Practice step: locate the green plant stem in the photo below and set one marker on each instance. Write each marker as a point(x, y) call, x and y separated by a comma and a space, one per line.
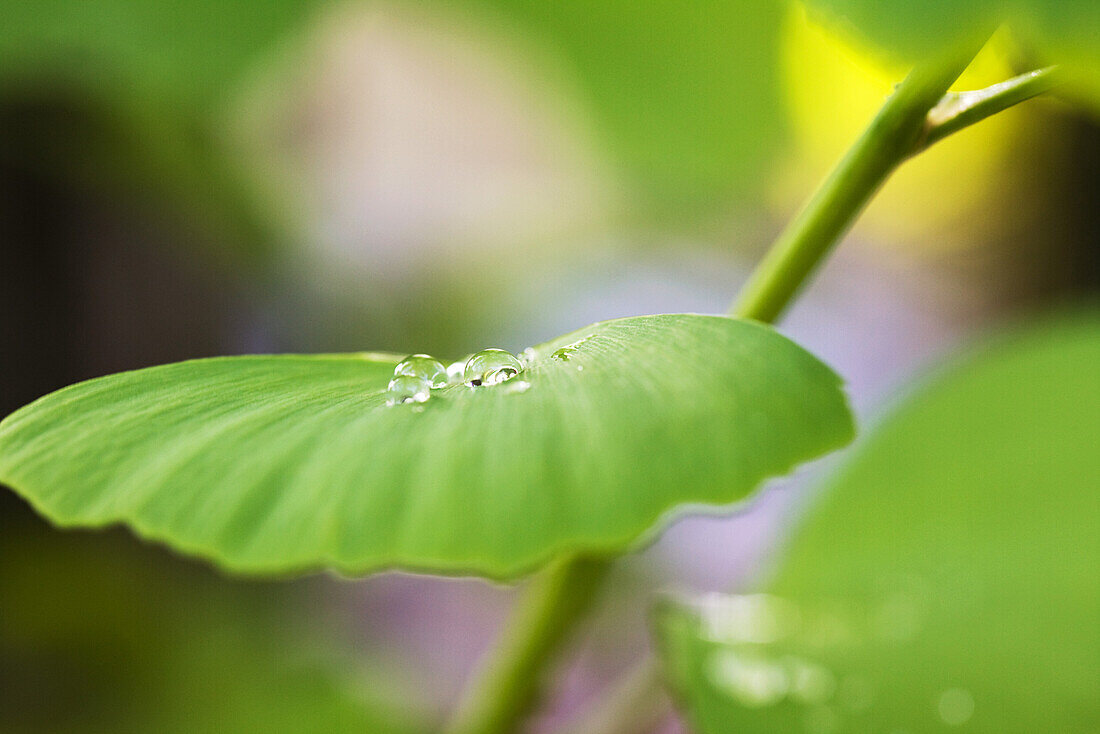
point(958, 110)
point(635, 704)
point(510, 683)
point(890, 139)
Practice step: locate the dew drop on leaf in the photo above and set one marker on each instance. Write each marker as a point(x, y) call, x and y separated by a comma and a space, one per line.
point(456, 372)
point(566, 352)
point(491, 367)
point(424, 366)
point(408, 389)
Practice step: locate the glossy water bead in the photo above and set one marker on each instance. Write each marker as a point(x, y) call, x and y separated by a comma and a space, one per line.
point(408, 389)
point(424, 366)
point(456, 372)
point(491, 367)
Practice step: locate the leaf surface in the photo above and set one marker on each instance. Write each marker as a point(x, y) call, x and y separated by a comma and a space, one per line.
point(285, 463)
point(948, 577)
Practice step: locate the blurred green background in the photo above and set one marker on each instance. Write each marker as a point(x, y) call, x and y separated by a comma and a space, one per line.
point(183, 179)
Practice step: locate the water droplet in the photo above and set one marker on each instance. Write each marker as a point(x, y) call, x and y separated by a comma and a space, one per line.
point(755, 618)
point(408, 389)
point(456, 372)
point(424, 366)
point(527, 356)
point(566, 353)
point(810, 683)
point(753, 681)
point(955, 706)
point(491, 367)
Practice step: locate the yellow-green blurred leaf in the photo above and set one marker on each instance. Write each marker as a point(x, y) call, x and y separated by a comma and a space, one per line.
point(948, 577)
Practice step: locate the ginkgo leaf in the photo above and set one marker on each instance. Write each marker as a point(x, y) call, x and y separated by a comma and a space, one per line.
point(275, 464)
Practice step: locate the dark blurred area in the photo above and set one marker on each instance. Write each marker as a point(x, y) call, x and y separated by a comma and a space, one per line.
point(445, 198)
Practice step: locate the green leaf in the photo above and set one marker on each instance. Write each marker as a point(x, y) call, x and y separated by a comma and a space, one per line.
point(277, 464)
point(948, 577)
point(1059, 31)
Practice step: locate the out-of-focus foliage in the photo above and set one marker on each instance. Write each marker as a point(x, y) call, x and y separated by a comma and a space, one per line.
point(177, 51)
point(276, 464)
point(948, 576)
point(686, 98)
point(126, 95)
point(685, 93)
point(100, 636)
point(1057, 31)
point(834, 85)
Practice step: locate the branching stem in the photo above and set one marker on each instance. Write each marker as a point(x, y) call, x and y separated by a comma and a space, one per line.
point(891, 138)
point(958, 110)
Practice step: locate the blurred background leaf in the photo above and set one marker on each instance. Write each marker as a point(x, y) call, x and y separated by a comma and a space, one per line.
point(192, 52)
point(947, 576)
point(1053, 31)
point(683, 93)
point(395, 167)
point(834, 84)
point(683, 148)
point(125, 95)
point(100, 634)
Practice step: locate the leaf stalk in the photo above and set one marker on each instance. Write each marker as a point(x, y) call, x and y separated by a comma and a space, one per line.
point(958, 110)
point(511, 680)
point(892, 136)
